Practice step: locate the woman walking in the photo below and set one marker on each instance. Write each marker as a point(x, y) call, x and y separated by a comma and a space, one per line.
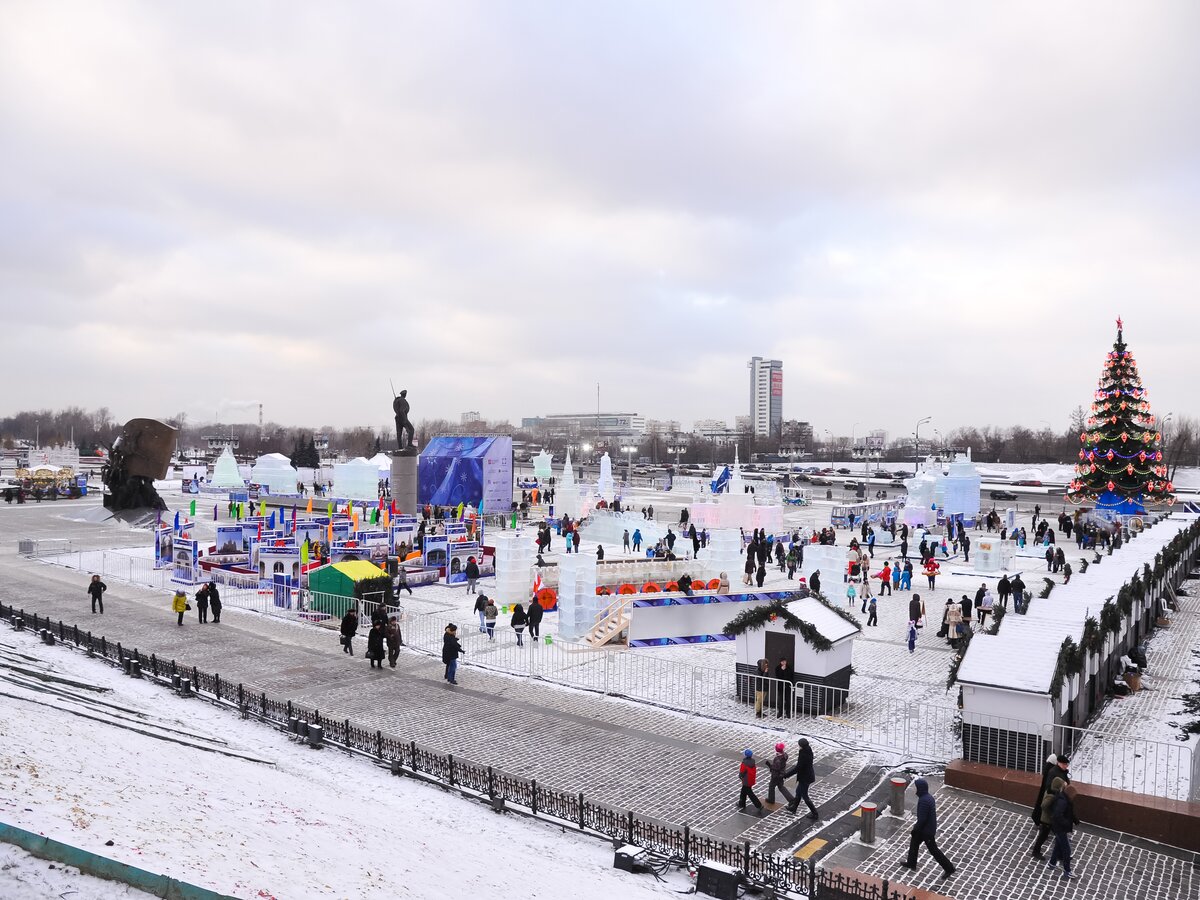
point(375, 641)
point(349, 630)
point(518, 621)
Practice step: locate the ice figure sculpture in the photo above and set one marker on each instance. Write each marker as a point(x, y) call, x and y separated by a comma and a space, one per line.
point(604, 487)
point(274, 472)
point(918, 507)
point(566, 495)
point(514, 566)
point(356, 480)
point(961, 491)
point(541, 466)
point(225, 472)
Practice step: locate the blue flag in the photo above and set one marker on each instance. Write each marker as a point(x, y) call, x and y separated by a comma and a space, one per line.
point(176, 527)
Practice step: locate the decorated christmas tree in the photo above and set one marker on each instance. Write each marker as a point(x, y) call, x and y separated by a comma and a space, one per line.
point(1121, 469)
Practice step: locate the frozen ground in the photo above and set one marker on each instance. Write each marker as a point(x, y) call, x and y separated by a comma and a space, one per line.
point(188, 790)
point(25, 877)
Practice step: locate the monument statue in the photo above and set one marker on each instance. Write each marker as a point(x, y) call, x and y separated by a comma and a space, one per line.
point(140, 454)
point(400, 407)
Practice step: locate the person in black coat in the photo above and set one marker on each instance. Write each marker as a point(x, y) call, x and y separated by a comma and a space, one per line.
point(805, 776)
point(96, 589)
point(518, 622)
point(472, 572)
point(925, 830)
point(451, 651)
point(349, 630)
point(534, 615)
point(202, 604)
point(814, 582)
point(214, 602)
point(1062, 823)
point(481, 603)
point(375, 642)
point(785, 677)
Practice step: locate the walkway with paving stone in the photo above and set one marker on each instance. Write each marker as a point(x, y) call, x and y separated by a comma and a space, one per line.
point(665, 765)
point(989, 840)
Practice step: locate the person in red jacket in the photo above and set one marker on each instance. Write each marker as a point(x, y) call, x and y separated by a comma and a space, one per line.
point(931, 570)
point(885, 579)
point(748, 774)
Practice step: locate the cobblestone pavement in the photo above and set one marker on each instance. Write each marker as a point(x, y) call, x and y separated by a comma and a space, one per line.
point(988, 841)
point(666, 765)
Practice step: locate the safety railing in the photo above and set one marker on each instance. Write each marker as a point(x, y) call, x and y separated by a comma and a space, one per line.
point(568, 809)
point(1138, 765)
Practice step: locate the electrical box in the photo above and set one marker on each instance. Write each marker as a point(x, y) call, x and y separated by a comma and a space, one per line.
point(630, 858)
point(716, 880)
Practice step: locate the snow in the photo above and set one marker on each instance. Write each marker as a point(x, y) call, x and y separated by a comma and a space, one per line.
point(25, 877)
point(202, 796)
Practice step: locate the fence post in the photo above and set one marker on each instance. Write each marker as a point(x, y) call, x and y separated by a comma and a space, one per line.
point(533, 795)
point(491, 785)
point(746, 857)
point(174, 668)
point(687, 844)
point(289, 705)
point(412, 751)
point(379, 744)
point(195, 676)
point(812, 879)
point(346, 734)
point(241, 694)
point(76, 635)
point(451, 760)
point(581, 818)
point(264, 704)
point(217, 685)
point(629, 826)
point(62, 634)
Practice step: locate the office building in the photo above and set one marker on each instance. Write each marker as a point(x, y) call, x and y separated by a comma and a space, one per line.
point(766, 396)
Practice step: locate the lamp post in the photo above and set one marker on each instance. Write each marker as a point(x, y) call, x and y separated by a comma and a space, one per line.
point(853, 444)
point(917, 442)
point(628, 451)
point(829, 444)
point(676, 451)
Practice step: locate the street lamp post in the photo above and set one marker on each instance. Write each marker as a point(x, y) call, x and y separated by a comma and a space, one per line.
point(917, 443)
point(829, 444)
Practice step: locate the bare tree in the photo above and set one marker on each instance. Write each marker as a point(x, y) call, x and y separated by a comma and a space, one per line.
point(1180, 442)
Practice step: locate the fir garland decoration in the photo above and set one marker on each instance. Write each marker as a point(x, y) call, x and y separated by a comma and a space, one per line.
point(1110, 617)
point(1093, 637)
point(751, 619)
point(1070, 662)
point(1083, 565)
point(998, 613)
point(956, 661)
point(1048, 588)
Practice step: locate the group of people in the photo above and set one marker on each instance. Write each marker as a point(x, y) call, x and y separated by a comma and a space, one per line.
point(779, 772)
point(208, 598)
point(384, 640)
point(488, 612)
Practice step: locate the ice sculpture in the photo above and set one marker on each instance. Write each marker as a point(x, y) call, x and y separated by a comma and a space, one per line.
point(225, 472)
point(356, 480)
point(566, 495)
point(541, 466)
point(274, 472)
point(918, 507)
point(961, 491)
point(604, 487)
point(514, 567)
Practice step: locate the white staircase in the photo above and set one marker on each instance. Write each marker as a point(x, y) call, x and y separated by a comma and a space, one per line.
point(612, 621)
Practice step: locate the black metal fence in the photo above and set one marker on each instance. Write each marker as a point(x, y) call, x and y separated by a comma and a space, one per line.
point(566, 808)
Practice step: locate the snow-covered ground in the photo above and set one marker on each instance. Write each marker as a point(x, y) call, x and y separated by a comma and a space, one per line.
point(186, 789)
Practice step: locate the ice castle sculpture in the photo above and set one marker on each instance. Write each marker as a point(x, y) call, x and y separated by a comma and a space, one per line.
point(225, 472)
point(356, 480)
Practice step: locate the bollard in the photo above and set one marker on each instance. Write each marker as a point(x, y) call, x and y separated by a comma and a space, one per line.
point(293, 725)
point(175, 679)
point(18, 624)
point(869, 811)
point(185, 687)
point(302, 729)
point(127, 664)
point(896, 805)
point(316, 734)
point(135, 669)
point(244, 709)
point(48, 636)
point(396, 767)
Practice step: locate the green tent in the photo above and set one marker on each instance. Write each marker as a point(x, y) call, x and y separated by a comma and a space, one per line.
point(334, 587)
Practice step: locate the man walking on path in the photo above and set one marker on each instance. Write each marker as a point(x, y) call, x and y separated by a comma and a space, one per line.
point(748, 774)
point(805, 776)
point(535, 619)
point(472, 574)
point(96, 590)
point(1062, 823)
point(1056, 767)
point(394, 640)
point(451, 650)
point(481, 603)
point(778, 767)
point(925, 831)
point(349, 629)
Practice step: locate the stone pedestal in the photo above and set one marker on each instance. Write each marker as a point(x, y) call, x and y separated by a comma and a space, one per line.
point(404, 481)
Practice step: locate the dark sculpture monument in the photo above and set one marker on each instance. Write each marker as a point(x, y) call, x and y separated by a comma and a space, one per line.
point(403, 426)
point(140, 454)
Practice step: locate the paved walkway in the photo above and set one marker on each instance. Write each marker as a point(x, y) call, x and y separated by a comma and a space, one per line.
point(988, 841)
point(666, 765)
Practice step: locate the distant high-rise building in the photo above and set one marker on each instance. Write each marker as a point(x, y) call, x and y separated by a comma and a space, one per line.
point(766, 396)
point(469, 417)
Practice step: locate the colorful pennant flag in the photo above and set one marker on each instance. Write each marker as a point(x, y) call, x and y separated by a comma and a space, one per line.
point(193, 509)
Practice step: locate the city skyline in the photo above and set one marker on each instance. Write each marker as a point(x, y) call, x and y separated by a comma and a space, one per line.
point(919, 214)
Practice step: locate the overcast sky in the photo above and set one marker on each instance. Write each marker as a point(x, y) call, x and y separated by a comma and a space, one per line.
point(921, 208)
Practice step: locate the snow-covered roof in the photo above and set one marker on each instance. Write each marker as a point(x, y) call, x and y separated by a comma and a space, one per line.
point(1023, 655)
point(825, 620)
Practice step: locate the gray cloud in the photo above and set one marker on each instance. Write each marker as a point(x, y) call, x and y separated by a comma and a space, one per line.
point(921, 209)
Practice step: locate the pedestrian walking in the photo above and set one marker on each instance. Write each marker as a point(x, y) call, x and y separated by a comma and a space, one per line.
point(451, 651)
point(778, 769)
point(885, 578)
point(481, 603)
point(214, 602)
point(985, 608)
point(96, 589)
point(931, 571)
point(375, 643)
point(762, 685)
point(625, 541)
point(637, 540)
point(534, 615)
point(925, 831)
point(748, 774)
point(202, 604)
point(472, 571)
point(402, 581)
point(1055, 767)
point(180, 605)
point(872, 612)
point(912, 636)
point(761, 574)
point(395, 640)
point(1062, 823)
point(805, 776)
point(349, 630)
point(489, 617)
point(851, 595)
point(814, 582)
point(518, 622)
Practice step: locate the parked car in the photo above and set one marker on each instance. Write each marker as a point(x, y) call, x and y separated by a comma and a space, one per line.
point(896, 483)
point(850, 485)
point(843, 471)
point(1003, 495)
point(818, 481)
point(1027, 483)
point(899, 474)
